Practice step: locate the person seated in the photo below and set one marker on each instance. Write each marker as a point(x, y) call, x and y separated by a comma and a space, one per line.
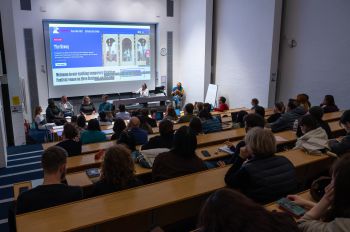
point(177, 93)
point(199, 106)
point(229, 210)
point(74, 120)
point(118, 127)
point(222, 105)
point(165, 139)
point(70, 141)
point(259, 110)
point(258, 172)
point(39, 120)
point(54, 114)
point(196, 125)
point(105, 106)
point(332, 212)
point(181, 159)
point(209, 123)
point(303, 101)
point(133, 135)
point(255, 103)
point(52, 192)
point(143, 91)
point(81, 123)
point(66, 107)
point(278, 110)
point(317, 113)
point(122, 113)
point(144, 125)
point(342, 147)
point(87, 107)
point(238, 122)
point(117, 172)
point(93, 133)
point(329, 105)
point(170, 113)
point(104, 121)
point(313, 136)
point(286, 121)
point(152, 122)
point(188, 113)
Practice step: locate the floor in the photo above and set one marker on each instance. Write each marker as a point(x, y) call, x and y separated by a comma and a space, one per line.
point(23, 165)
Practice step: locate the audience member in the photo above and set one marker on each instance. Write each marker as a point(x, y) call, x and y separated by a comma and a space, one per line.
point(105, 106)
point(238, 122)
point(122, 113)
point(104, 121)
point(66, 107)
point(144, 124)
point(196, 125)
point(93, 133)
point(343, 146)
point(329, 105)
point(222, 105)
point(152, 122)
point(70, 141)
point(260, 110)
point(255, 103)
point(303, 100)
point(87, 107)
point(181, 160)
point(54, 114)
point(165, 139)
point(81, 123)
point(227, 210)
point(133, 135)
point(188, 113)
point(52, 192)
point(118, 127)
point(278, 110)
point(199, 106)
point(170, 113)
point(209, 123)
point(117, 173)
point(258, 172)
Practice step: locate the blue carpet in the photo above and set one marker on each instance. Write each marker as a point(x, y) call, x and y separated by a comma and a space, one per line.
point(28, 158)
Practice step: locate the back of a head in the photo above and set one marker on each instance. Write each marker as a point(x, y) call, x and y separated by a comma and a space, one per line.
point(189, 108)
point(260, 110)
point(255, 101)
point(200, 106)
point(196, 125)
point(94, 125)
point(205, 114)
point(280, 106)
point(223, 99)
point(171, 111)
point(207, 106)
point(292, 104)
point(228, 210)
point(102, 116)
point(317, 112)
point(303, 99)
point(254, 120)
point(53, 158)
point(134, 122)
point(81, 121)
point(145, 112)
point(345, 118)
point(119, 125)
point(74, 119)
point(240, 117)
point(329, 100)
point(51, 102)
point(118, 166)
point(70, 131)
point(185, 142)
point(261, 142)
point(121, 108)
point(166, 127)
point(309, 122)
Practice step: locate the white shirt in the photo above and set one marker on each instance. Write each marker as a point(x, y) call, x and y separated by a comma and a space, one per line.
point(143, 93)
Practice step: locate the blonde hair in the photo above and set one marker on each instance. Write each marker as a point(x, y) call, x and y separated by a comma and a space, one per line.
point(261, 141)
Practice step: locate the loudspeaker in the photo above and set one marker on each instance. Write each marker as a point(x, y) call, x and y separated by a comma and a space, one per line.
point(170, 8)
point(26, 4)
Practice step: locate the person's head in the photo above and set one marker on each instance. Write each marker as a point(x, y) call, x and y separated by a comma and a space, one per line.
point(345, 120)
point(253, 120)
point(145, 112)
point(260, 142)
point(119, 125)
point(292, 104)
point(104, 98)
point(103, 116)
point(307, 123)
point(229, 210)
point(166, 128)
point(205, 114)
point(240, 118)
point(121, 108)
point(51, 103)
point(53, 161)
point(199, 106)
point(81, 121)
point(222, 100)
point(134, 122)
point(93, 125)
point(260, 110)
point(329, 100)
point(118, 166)
point(135, 113)
point(69, 131)
point(64, 99)
point(303, 100)
point(86, 100)
point(74, 119)
point(185, 142)
point(144, 86)
point(170, 111)
point(189, 108)
point(37, 110)
point(317, 112)
point(179, 85)
point(255, 102)
point(196, 125)
point(279, 107)
point(207, 106)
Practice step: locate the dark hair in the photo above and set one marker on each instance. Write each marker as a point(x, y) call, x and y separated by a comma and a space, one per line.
point(292, 104)
point(118, 166)
point(200, 106)
point(121, 108)
point(135, 113)
point(240, 118)
point(227, 210)
point(207, 106)
point(329, 100)
point(189, 108)
point(185, 142)
point(345, 117)
point(166, 127)
point(254, 120)
point(119, 126)
point(53, 158)
point(145, 112)
point(309, 122)
point(93, 125)
point(196, 125)
point(222, 99)
point(74, 119)
point(205, 114)
point(316, 112)
point(171, 112)
point(144, 85)
point(303, 99)
point(255, 101)
point(81, 121)
point(37, 109)
point(70, 131)
point(280, 106)
point(103, 116)
point(51, 102)
point(260, 110)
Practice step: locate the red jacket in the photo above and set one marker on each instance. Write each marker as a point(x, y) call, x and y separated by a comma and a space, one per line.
point(222, 107)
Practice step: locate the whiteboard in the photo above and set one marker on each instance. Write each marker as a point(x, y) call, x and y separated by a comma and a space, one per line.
point(211, 94)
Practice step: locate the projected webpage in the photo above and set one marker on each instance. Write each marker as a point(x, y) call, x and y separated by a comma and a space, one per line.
point(88, 54)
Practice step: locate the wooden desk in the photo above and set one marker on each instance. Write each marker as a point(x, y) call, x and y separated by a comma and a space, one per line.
point(328, 117)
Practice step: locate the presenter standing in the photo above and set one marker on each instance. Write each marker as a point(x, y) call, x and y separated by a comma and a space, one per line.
point(143, 91)
point(177, 93)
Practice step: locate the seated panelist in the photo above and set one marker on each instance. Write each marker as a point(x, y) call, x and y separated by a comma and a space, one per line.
point(177, 94)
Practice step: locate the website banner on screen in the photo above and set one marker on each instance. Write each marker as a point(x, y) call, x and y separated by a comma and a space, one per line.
point(97, 53)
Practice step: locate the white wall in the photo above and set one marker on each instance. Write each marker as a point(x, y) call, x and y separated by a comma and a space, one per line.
point(319, 65)
point(244, 53)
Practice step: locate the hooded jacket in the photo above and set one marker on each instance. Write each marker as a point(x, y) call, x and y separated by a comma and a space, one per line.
point(286, 121)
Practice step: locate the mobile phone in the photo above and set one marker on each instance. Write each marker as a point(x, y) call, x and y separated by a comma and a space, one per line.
point(23, 189)
point(205, 153)
point(93, 172)
point(291, 207)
